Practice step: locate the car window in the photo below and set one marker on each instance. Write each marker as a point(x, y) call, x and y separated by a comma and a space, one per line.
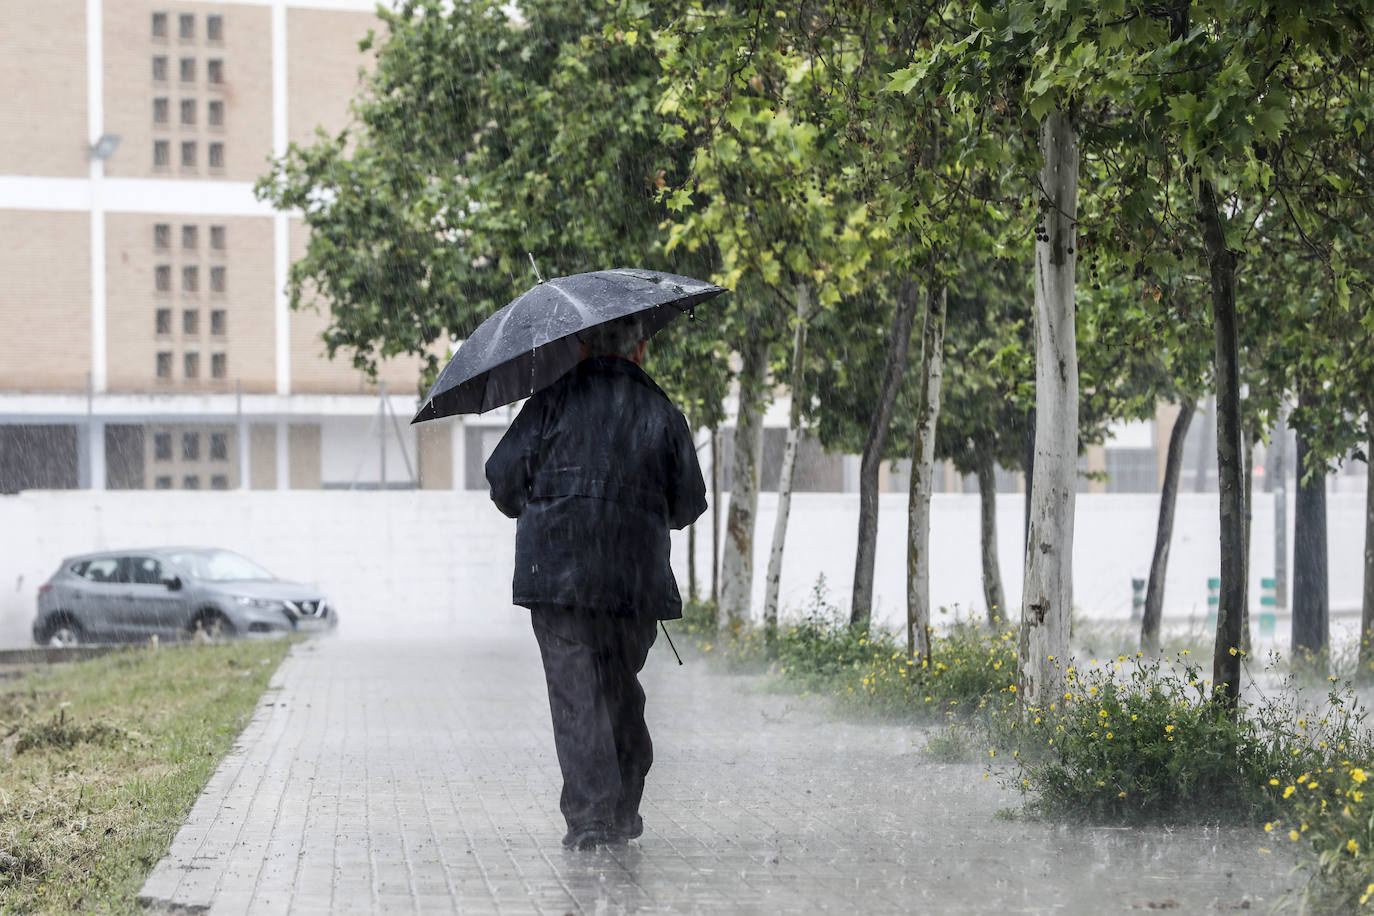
point(105, 569)
point(144, 571)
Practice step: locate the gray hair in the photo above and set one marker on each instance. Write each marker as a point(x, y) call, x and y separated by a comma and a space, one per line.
point(620, 337)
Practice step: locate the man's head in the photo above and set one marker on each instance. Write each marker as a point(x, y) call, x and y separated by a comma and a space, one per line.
point(623, 337)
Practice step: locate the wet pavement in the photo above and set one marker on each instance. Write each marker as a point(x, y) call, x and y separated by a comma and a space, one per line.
point(420, 777)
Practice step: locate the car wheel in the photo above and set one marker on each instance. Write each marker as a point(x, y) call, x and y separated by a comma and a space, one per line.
point(64, 632)
point(212, 627)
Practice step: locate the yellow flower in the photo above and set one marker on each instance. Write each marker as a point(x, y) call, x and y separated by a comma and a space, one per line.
point(1352, 847)
point(1109, 736)
point(1288, 792)
point(1367, 891)
point(1312, 785)
point(1121, 795)
point(1168, 728)
point(1293, 835)
point(1357, 775)
point(1269, 827)
point(1273, 782)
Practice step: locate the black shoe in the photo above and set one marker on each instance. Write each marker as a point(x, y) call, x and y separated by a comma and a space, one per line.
point(632, 828)
point(590, 837)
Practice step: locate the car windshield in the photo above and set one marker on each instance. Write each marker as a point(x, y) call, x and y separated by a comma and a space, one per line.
point(218, 565)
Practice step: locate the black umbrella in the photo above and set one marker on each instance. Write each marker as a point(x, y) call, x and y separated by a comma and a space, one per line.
point(529, 343)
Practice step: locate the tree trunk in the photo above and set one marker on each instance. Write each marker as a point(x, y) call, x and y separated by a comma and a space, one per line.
point(1047, 594)
point(789, 462)
point(1205, 451)
point(923, 477)
point(1311, 609)
point(987, 536)
point(1248, 469)
point(1365, 670)
point(1222, 268)
point(1164, 531)
point(894, 368)
point(692, 563)
point(715, 519)
point(1028, 458)
point(737, 567)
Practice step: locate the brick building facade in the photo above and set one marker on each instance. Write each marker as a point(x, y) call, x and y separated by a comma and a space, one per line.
point(147, 340)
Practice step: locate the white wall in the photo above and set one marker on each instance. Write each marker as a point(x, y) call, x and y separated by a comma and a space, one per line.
point(415, 561)
point(1113, 542)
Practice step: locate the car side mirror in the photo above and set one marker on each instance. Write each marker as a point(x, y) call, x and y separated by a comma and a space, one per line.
point(173, 584)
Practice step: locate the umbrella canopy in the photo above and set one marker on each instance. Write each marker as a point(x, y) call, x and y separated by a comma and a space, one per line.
point(530, 343)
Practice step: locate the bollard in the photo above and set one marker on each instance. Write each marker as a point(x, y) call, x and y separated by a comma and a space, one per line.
point(1137, 598)
point(1213, 601)
point(1268, 604)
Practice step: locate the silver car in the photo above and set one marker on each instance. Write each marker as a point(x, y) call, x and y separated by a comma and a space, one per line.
point(172, 592)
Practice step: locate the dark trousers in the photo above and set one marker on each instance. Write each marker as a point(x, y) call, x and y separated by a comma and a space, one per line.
point(591, 662)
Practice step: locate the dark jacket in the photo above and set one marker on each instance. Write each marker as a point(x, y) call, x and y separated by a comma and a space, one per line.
point(597, 467)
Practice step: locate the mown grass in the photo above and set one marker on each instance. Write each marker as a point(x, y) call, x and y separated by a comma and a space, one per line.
point(100, 762)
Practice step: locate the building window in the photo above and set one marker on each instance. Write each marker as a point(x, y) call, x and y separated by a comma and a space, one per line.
point(217, 238)
point(162, 153)
point(214, 113)
point(159, 25)
point(217, 322)
point(219, 365)
point(164, 365)
point(190, 278)
point(214, 72)
point(163, 277)
point(219, 447)
point(214, 28)
point(217, 279)
point(162, 446)
point(186, 26)
point(188, 111)
point(190, 237)
point(190, 482)
point(188, 154)
point(162, 482)
point(190, 446)
point(160, 69)
point(191, 365)
point(188, 69)
point(162, 235)
point(190, 321)
point(164, 321)
point(219, 482)
point(160, 108)
point(216, 155)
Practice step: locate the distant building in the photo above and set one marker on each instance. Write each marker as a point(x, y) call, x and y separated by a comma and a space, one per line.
point(147, 341)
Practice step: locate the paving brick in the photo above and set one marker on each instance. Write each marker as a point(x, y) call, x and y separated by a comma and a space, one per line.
point(394, 777)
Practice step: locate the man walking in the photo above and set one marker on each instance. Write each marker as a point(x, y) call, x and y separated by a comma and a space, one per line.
point(596, 468)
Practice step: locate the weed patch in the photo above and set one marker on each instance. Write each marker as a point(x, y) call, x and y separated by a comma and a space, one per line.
point(104, 760)
point(1141, 741)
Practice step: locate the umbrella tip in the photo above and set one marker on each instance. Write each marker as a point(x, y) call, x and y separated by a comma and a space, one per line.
point(535, 266)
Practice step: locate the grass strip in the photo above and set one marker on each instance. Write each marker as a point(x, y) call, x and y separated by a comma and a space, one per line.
point(101, 760)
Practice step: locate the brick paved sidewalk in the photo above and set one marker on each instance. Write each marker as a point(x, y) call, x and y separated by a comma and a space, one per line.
point(420, 777)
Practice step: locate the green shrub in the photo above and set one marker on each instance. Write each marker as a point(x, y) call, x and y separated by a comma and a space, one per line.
point(970, 668)
point(1331, 811)
point(1139, 741)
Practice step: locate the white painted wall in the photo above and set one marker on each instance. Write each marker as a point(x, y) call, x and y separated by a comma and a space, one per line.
point(401, 563)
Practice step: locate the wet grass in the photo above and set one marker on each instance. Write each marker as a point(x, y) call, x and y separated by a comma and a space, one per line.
point(101, 760)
